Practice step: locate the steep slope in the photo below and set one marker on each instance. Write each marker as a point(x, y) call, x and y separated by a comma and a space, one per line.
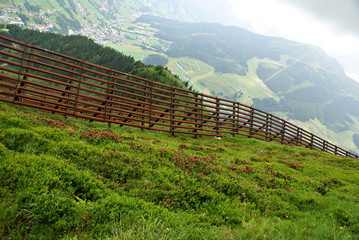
point(65, 178)
point(296, 81)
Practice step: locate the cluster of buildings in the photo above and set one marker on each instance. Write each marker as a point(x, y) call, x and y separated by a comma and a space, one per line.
point(115, 31)
point(12, 16)
point(7, 18)
point(101, 33)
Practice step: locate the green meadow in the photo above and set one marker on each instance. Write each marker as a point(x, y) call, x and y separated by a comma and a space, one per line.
point(63, 178)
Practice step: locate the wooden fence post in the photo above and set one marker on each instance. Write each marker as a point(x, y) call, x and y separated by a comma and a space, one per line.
point(199, 113)
point(145, 100)
point(172, 111)
point(202, 112)
point(311, 141)
point(150, 105)
point(78, 88)
point(251, 122)
point(268, 127)
point(234, 116)
point(284, 125)
point(110, 85)
point(217, 115)
point(324, 146)
point(21, 83)
point(67, 88)
point(299, 137)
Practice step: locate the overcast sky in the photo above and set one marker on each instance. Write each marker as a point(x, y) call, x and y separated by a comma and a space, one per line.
point(331, 24)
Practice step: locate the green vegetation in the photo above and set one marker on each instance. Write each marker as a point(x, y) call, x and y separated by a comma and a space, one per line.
point(63, 15)
point(155, 60)
point(86, 49)
point(193, 69)
point(71, 179)
point(137, 53)
point(159, 74)
point(62, 178)
point(227, 49)
point(239, 88)
point(75, 46)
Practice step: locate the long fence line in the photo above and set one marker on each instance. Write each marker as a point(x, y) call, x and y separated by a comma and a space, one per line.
point(42, 79)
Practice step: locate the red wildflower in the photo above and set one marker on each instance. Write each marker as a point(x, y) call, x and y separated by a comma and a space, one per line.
point(168, 200)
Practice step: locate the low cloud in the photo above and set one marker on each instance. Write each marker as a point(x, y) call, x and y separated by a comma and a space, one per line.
point(345, 13)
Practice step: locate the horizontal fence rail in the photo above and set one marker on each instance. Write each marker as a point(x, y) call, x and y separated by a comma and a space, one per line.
point(42, 79)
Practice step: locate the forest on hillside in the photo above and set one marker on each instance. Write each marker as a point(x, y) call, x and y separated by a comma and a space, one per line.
point(75, 46)
point(88, 50)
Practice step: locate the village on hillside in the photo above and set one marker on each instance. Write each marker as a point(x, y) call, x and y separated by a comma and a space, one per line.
point(114, 32)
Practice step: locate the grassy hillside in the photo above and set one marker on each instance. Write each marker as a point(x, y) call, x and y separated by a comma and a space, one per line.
point(65, 178)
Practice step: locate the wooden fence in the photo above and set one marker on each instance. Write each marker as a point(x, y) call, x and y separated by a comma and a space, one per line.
point(53, 82)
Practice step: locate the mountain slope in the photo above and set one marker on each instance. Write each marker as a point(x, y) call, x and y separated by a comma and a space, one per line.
point(65, 178)
point(86, 49)
point(105, 18)
point(296, 81)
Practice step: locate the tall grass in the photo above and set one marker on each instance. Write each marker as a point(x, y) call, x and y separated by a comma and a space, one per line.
point(68, 179)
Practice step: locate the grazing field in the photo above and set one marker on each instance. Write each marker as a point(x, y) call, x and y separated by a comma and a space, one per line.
point(204, 78)
point(136, 52)
point(71, 179)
